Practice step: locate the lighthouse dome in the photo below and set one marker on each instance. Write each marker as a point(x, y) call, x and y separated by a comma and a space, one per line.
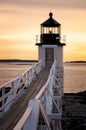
point(50, 22)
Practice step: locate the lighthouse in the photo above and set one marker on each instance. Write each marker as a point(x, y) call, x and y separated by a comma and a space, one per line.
point(50, 47)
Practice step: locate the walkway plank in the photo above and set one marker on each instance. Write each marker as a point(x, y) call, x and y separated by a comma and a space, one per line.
point(10, 119)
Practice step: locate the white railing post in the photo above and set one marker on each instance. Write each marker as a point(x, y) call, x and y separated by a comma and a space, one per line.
point(6, 108)
point(27, 78)
point(30, 75)
point(49, 102)
point(32, 122)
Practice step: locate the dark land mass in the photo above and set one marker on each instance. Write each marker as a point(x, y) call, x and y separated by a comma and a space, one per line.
point(74, 111)
point(75, 62)
point(16, 60)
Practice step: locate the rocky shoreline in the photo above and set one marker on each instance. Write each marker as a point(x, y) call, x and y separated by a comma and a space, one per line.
point(74, 111)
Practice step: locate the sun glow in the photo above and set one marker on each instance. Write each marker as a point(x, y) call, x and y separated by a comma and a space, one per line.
point(20, 24)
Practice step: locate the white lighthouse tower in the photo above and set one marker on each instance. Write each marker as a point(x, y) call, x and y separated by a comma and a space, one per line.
point(50, 48)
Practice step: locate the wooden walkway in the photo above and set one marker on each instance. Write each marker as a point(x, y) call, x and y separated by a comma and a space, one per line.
point(10, 119)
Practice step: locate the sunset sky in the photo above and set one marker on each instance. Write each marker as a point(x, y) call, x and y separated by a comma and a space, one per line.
point(20, 23)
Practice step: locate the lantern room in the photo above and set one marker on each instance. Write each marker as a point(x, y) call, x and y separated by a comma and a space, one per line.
point(50, 31)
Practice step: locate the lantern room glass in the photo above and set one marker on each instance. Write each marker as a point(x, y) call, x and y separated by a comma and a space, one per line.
point(50, 30)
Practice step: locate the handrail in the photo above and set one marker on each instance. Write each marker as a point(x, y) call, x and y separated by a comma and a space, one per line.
point(46, 94)
point(18, 84)
point(47, 98)
point(5, 84)
point(11, 100)
point(52, 70)
point(42, 90)
point(23, 120)
point(4, 96)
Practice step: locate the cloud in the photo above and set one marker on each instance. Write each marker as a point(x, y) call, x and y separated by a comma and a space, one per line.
point(54, 3)
point(72, 4)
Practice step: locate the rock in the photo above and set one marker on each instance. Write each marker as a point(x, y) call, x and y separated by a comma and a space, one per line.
point(74, 111)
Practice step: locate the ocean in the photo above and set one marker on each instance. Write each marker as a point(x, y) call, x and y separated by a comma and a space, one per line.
point(10, 70)
point(74, 77)
point(74, 74)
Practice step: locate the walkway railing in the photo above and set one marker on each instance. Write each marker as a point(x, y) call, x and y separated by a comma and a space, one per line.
point(10, 91)
point(50, 94)
point(46, 106)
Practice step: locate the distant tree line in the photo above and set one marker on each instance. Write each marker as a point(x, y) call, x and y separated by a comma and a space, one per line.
point(16, 60)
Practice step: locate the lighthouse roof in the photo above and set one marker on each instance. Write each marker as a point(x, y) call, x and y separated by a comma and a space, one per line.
point(50, 22)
